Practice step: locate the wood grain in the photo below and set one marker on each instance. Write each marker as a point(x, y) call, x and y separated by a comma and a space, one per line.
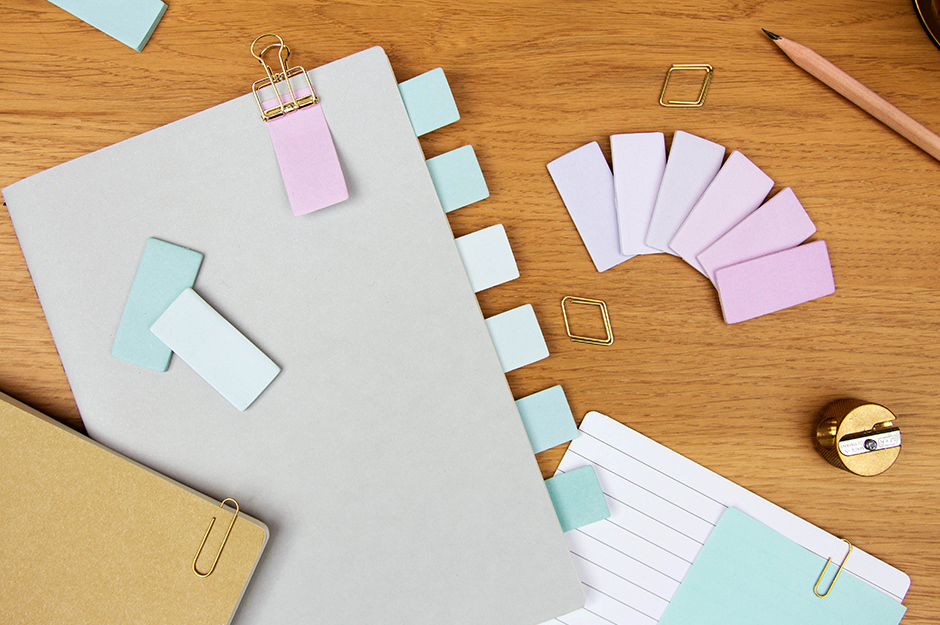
point(534, 80)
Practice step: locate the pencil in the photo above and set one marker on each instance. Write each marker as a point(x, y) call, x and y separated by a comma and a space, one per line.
point(860, 95)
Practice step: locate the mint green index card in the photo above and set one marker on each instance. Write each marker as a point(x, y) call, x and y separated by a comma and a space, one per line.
point(747, 573)
point(547, 418)
point(429, 101)
point(577, 497)
point(457, 178)
point(129, 21)
point(517, 337)
point(165, 271)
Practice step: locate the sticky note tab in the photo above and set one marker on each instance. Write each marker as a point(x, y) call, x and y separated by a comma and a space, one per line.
point(547, 418)
point(692, 165)
point(129, 21)
point(429, 101)
point(747, 573)
point(774, 282)
point(586, 186)
point(577, 497)
point(165, 270)
point(736, 192)
point(517, 337)
point(639, 162)
point(781, 223)
point(487, 257)
point(215, 350)
point(457, 178)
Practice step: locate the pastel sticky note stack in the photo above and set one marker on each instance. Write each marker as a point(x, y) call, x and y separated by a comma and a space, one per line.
point(457, 178)
point(517, 337)
point(429, 101)
point(547, 418)
point(577, 497)
point(131, 22)
point(639, 163)
point(487, 257)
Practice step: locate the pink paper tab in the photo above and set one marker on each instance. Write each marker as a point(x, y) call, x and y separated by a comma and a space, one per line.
point(736, 192)
point(771, 283)
point(307, 158)
point(781, 223)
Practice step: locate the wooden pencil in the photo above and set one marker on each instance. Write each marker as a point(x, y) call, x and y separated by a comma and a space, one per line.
point(860, 95)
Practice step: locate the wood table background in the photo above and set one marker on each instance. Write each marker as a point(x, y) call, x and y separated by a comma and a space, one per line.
point(534, 80)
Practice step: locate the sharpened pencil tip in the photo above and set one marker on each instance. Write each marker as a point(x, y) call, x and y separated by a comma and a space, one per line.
point(770, 34)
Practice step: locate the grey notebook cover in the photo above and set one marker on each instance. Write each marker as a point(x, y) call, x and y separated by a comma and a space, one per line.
point(387, 458)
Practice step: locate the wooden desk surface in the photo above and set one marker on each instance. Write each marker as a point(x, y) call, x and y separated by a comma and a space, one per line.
point(534, 80)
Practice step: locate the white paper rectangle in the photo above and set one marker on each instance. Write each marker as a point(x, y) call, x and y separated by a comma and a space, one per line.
point(639, 162)
point(487, 257)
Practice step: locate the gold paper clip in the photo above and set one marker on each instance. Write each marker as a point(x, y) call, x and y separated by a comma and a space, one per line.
point(285, 104)
point(701, 96)
point(608, 338)
point(831, 584)
point(224, 540)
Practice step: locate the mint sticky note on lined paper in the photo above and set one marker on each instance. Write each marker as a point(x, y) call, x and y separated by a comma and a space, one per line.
point(577, 497)
point(487, 257)
point(747, 573)
point(457, 178)
point(517, 337)
point(165, 271)
point(547, 418)
point(129, 21)
point(429, 101)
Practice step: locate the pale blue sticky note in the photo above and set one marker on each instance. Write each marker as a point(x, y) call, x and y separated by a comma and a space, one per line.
point(165, 271)
point(747, 573)
point(517, 337)
point(129, 21)
point(215, 350)
point(457, 178)
point(429, 101)
point(487, 257)
point(577, 497)
point(547, 418)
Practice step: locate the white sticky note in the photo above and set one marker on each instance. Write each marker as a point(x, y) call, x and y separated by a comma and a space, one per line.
point(517, 337)
point(639, 162)
point(487, 257)
point(219, 353)
point(692, 165)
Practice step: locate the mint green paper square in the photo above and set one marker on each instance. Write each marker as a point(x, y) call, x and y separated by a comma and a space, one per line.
point(129, 21)
point(429, 101)
point(458, 178)
point(547, 418)
point(577, 497)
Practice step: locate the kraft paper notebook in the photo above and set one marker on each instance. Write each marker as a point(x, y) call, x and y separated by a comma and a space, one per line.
point(91, 537)
point(387, 457)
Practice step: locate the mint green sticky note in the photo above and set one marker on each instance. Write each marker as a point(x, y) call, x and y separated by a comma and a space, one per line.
point(429, 101)
point(577, 497)
point(517, 337)
point(129, 21)
point(457, 178)
point(747, 573)
point(165, 271)
point(547, 418)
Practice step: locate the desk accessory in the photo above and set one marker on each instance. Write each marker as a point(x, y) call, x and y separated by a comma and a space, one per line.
point(639, 160)
point(487, 257)
point(608, 333)
point(928, 12)
point(547, 418)
point(860, 95)
point(91, 537)
point(458, 178)
point(577, 498)
point(429, 101)
point(706, 81)
point(858, 437)
point(131, 22)
point(517, 337)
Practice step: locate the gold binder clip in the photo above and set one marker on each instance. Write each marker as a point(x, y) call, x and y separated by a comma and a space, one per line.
point(708, 69)
point(224, 540)
point(286, 102)
point(833, 583)
point(609, 336)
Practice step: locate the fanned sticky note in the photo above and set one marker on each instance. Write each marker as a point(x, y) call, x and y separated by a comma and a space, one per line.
point(429, 101)
point(736, 192)
point(639, 160)
point(165, 270)
point(487, 257)
point(746, 573)
point(457, 178)
point(517, 337)
point(692, 165)
point(215, 350)
point(586, 186)
point(547, 418)
point(781, 223)
point(774, 282)
point(577, 497)
point(129, 21)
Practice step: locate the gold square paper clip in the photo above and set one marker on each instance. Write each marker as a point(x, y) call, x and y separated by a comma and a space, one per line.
point(607, 340)
point(701, 67)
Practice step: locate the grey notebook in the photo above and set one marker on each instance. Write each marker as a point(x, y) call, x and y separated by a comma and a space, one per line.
point(387, 458)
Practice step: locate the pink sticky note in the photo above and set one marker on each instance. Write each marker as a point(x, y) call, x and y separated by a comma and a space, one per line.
point(586, 186)
point(736, 192)
point(771, 283)
point(307, 158)
point(781, 223)
point(639, 162)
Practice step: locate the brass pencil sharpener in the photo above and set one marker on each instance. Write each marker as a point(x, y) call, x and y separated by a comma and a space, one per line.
point(858, 437)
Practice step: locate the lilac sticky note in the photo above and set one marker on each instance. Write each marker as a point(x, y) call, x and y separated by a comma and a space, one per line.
point(639, 162)
point(781, 223)
point(307, 158)
point(586, 186)
point(771, 283)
